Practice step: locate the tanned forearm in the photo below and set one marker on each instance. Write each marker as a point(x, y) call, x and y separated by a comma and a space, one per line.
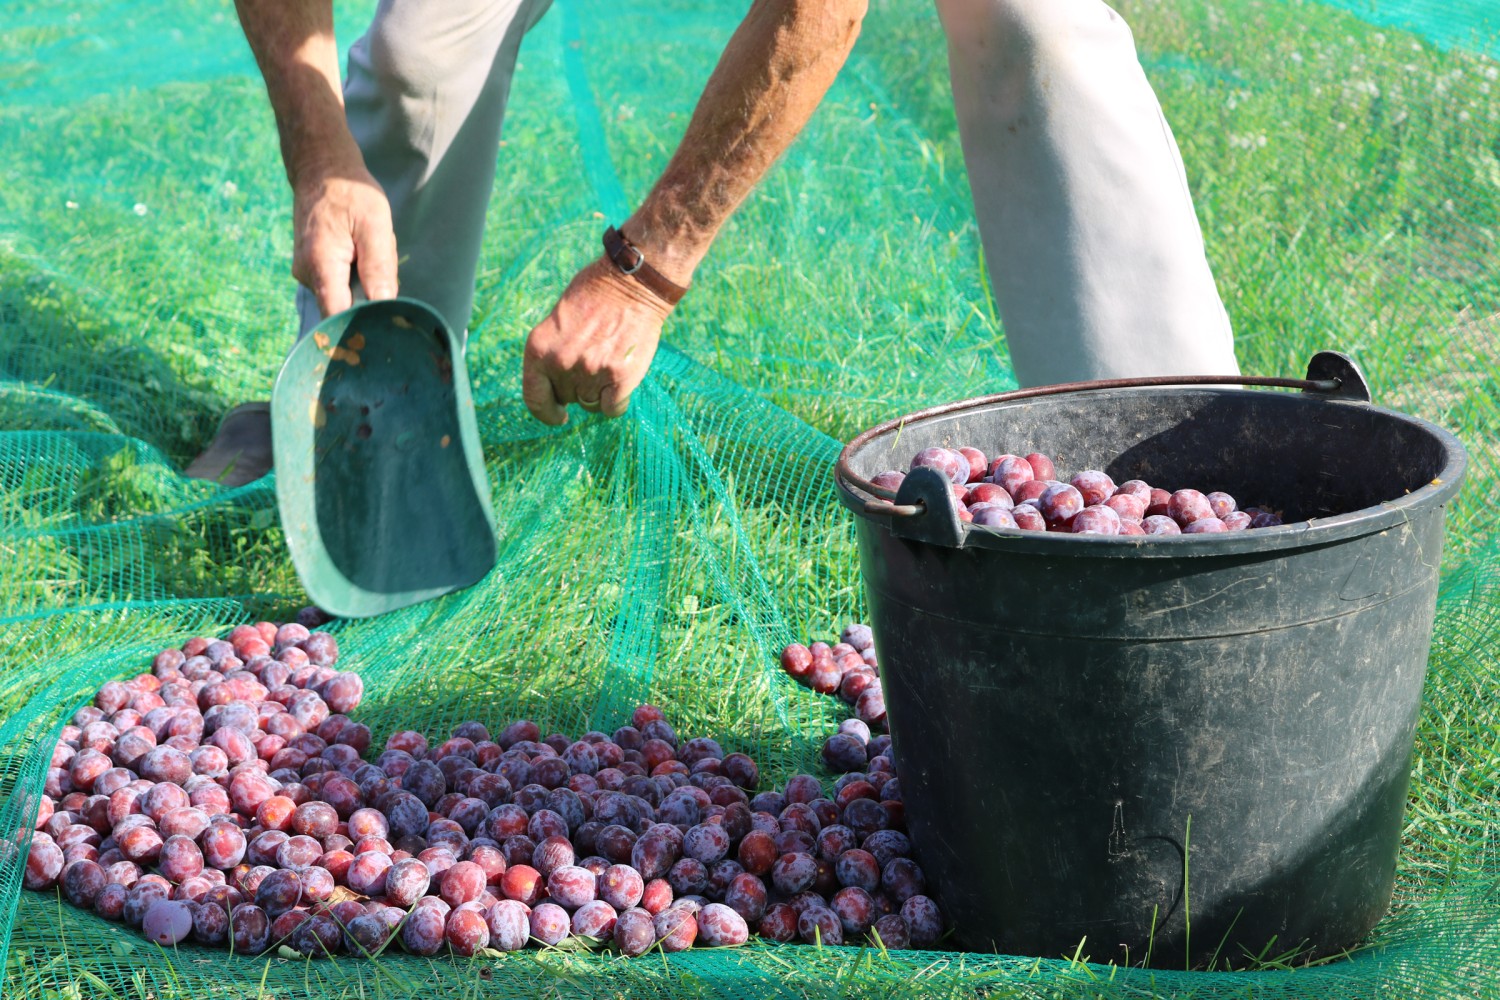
point(775, 70)
point(294, 46)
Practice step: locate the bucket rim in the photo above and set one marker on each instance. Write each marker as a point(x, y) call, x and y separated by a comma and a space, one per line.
point(873, 504)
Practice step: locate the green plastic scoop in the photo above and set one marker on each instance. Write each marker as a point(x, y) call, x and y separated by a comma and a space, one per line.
point(379, 475)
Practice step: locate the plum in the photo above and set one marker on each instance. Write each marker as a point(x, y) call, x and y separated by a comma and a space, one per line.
point(1060, 503)
point(1096, 520)
point(1187, 506)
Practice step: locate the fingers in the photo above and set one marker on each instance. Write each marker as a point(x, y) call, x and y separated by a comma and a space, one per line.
point(538, 392)
point(344, 232)
point(613, 402)
point(329, 281)
point(375, 256)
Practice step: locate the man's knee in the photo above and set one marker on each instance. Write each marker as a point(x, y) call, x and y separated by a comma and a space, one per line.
point(402, 56)
point(1030, 31)
point(414, 47)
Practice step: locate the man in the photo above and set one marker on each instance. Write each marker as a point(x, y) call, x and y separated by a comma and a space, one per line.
point(1093, 248)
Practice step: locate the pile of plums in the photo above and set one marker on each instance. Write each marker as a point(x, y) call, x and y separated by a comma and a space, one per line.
point(1024, 493)
point(846, 668)
point(223, 797)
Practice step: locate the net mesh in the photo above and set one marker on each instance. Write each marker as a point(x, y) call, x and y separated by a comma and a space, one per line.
point(1346, 164)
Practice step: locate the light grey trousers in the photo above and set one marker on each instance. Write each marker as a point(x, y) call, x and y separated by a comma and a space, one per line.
point(1093, 248)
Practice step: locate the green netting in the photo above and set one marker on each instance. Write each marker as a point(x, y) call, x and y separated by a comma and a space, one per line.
point(1348, 179)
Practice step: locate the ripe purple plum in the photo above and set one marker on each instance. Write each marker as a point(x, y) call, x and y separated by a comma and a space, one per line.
point(1237, 520)
point(843, 753)
point(794, 873)
point(82, 882)
point(993, 516)
point(1012, 472)
point(1187, 506)
point(249, 929)
point(858, 868)
point(1222, 504)
point(635, 932)
point(676, 929)
point(654, 854)
point(1095, 486)
point(1029, 518)
point(424, 931)
point(888, 480)
point(365, 935)
point(210, 924)
point(779, 923)
point(509, 924)
point(819, 925)
point(167, 921)
point(746, 895)
point(1059, 504)
point(522, 883)
point(110, 903)
point(295, 852)
point(44, 862)
point(945, 461)
point(856, 910)
point(892, 932)
point(621, 887)
point(1204, 526)
point(688, 876)
point(978, 464)
point(461, 883)
point(797, 660)
point(407, 881)
point(1127, 506)
point(180, 858)
point(550, 923)
point(1041, 466)
point(757, 852)
point(902, 879)
point(706, 843)
point(1160, 524)
point(657, 895)
point(721, 926)
point(924, 921)
point(571, 886)
point(870, 706)
point(367, 873)
point(467, 931)
point(1096, 520)
point(279, 892)
point(595, 919)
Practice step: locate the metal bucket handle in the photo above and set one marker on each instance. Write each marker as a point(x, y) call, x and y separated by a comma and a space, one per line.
point(1329, 374)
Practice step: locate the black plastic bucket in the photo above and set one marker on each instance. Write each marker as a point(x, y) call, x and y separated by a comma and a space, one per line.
point(1195, 748)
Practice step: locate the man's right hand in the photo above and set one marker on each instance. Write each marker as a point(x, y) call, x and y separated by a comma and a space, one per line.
point(342, 223)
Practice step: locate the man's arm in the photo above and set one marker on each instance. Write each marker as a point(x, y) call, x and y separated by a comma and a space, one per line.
point(599, 340)
point(341, 217)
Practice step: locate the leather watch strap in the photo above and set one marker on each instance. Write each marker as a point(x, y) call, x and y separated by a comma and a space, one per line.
point(630, 260)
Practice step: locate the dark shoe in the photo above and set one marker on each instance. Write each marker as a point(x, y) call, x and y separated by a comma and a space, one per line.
point(240, 452)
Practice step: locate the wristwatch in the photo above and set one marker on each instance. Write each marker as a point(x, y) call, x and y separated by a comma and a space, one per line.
point(630, 260)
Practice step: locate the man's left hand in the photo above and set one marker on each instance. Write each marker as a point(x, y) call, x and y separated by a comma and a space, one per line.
point(595, 346)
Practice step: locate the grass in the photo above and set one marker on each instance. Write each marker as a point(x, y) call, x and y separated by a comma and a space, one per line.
point(1348, 180)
